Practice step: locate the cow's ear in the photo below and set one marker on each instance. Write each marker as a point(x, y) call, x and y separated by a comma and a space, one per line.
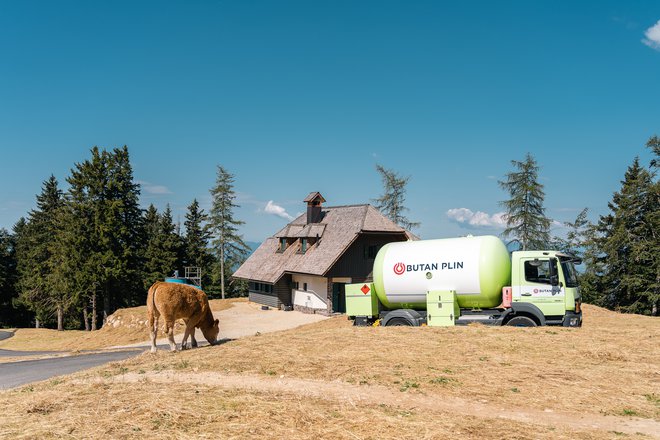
point(217, 321)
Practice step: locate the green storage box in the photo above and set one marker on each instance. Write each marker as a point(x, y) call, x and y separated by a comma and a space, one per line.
point(441, 308)
point(361, 300)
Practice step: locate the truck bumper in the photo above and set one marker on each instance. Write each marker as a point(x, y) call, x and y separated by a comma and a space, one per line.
point(572, 319)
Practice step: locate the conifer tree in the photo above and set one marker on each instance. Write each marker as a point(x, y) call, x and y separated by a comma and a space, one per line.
point(576, 235)
point(629, 244)
point(654, 219)
point(104, 202)
point(654, 144)
point(14, 311)
point(231, 250)
point(391, 203)
point(8, 277)
point(38, 282)
point(525, 216)
point(163, 246)
point(196, 240)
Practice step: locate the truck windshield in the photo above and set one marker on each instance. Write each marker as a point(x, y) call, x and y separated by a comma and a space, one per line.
point(570, 274)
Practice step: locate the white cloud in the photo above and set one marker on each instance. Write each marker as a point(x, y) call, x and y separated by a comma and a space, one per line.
point(272, 208)
point(652, 35)
point(477, 219)
point(151, 188)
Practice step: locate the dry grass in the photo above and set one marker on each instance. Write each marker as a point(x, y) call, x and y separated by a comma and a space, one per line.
point(124, 327)
point(121, 410)
point(609, 367)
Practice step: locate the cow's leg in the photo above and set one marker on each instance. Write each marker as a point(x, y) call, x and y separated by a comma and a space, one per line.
point(153, 329)
point(190, 331)
point(169, 328)
point(186, 333)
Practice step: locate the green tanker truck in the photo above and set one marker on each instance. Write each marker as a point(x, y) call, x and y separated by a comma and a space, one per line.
point(457, 281)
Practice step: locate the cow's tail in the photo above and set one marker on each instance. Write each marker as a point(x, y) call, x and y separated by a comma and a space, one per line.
point(152, 315)
point(151, 305)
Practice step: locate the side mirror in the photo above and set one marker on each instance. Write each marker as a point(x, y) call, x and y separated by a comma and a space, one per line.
point(554, 280)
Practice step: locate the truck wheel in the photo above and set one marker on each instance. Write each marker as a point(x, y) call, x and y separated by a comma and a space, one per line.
point(521, 321)
point(398, 322)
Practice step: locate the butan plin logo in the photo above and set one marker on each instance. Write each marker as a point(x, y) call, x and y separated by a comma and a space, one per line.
point(400, 268)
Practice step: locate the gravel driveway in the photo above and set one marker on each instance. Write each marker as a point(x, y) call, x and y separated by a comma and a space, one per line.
point(246, 319)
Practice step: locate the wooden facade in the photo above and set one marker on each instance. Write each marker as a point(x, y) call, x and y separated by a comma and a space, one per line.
point(358, 261)
point(276, 295)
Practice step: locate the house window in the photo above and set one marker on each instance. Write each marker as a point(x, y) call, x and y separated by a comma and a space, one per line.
point(282, 245)
point(305, 287)
point(303, 245)
point(261, 287)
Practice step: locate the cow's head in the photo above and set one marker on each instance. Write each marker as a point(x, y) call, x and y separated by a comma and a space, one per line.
point(211, 333)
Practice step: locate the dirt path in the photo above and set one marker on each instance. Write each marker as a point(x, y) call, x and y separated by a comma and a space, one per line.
point(376, 395)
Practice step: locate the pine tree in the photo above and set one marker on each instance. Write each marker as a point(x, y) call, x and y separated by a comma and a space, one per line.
point(126, 215)
point(15, 312)
point(8, 277)
point(163, 246)
point(230, 248)
point(629, 244)
point(593, 259)
point(575, 237)
point(391, 203)
point(654, 219)
point(104, 203)
point(196, 241)
point(39, 286)
point(654, 144)
point(525, 216)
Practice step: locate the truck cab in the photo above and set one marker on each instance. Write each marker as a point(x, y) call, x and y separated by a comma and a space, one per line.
point(544, 283)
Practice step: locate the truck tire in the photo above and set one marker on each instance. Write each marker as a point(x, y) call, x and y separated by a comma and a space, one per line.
point(521, 321)
point(399, 322)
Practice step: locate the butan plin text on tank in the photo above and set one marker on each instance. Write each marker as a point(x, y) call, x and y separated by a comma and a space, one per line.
point(434, 266)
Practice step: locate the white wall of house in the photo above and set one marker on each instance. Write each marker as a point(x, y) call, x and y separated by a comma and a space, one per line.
point(315, 296)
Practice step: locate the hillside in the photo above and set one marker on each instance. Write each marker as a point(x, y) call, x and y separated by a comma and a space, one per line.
point(332, 380)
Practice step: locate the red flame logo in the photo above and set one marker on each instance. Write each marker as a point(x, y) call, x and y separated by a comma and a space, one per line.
point(399, 268)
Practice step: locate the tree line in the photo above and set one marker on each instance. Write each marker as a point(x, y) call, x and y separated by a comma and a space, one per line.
point(81, 254)
point(620, 251)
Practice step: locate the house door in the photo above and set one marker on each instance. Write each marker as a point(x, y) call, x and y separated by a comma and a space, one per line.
point(338, 298)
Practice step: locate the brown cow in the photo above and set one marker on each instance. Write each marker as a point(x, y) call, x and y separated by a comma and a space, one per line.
point(179, 301)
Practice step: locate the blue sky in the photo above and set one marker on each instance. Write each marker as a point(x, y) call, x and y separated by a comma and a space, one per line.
point(301, 96)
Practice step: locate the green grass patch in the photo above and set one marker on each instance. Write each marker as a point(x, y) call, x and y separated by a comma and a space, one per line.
point(442, 380)
point(407, 385)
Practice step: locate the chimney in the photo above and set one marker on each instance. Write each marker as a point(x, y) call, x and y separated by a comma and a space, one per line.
point(314, 205)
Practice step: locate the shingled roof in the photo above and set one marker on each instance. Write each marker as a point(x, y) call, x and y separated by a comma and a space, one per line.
point(337, 230)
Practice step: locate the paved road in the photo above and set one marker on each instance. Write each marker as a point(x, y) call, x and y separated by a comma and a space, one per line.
point(20, 373)
point(5, 335)
point(15, 353)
